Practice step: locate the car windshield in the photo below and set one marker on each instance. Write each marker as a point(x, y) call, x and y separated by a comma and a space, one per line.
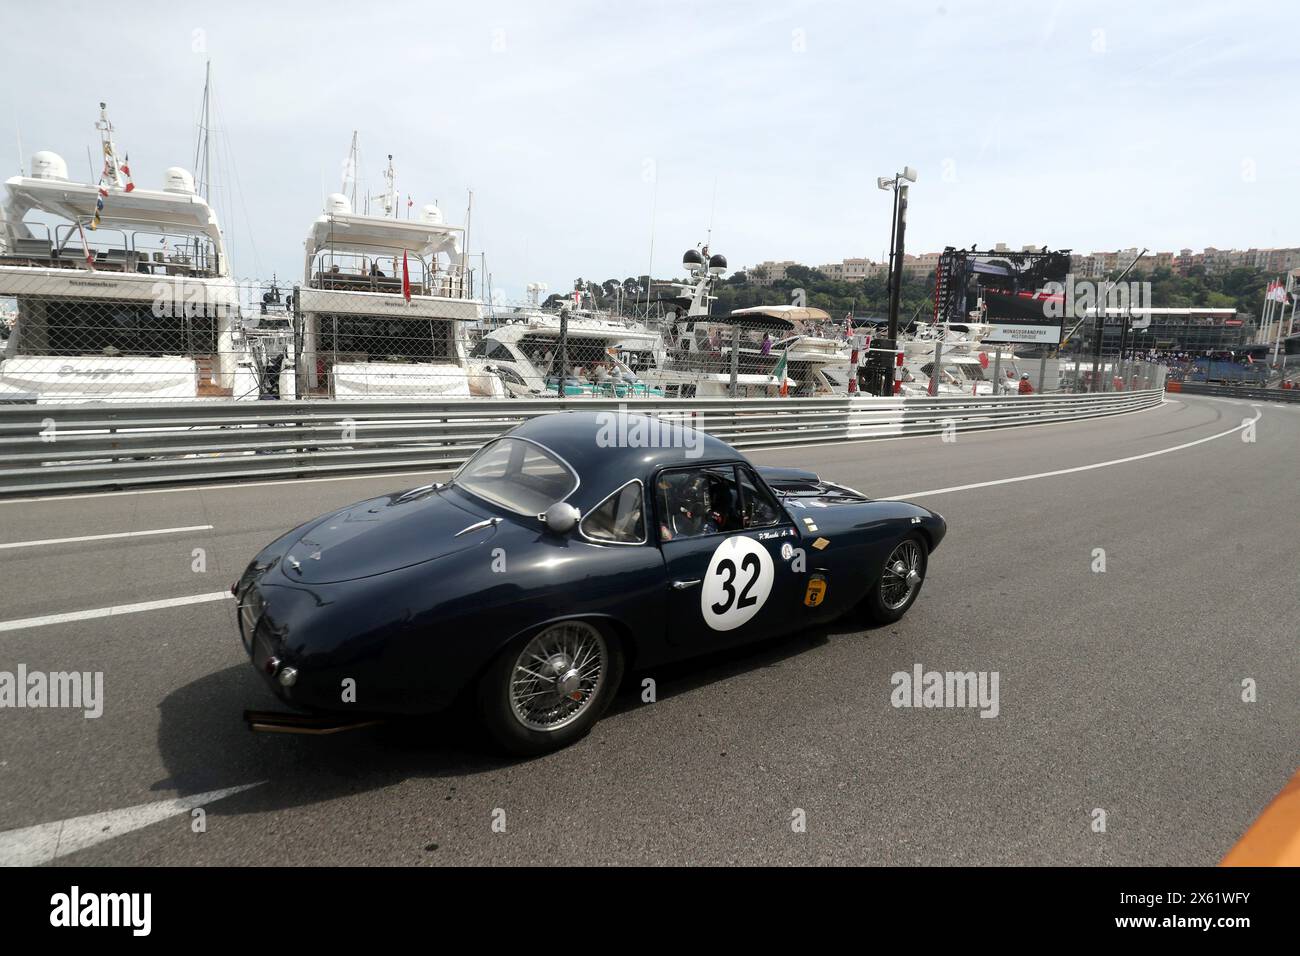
point(517, 475)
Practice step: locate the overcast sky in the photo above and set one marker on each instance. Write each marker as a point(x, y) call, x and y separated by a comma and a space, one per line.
point(1079, 125)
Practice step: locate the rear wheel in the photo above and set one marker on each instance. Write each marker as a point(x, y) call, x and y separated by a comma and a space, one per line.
point(548, 689)
point(900, 581)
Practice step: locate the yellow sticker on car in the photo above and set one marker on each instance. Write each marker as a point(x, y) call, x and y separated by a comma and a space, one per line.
point(816, 592)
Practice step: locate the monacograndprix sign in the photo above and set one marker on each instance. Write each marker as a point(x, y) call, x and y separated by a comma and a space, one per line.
point(1025, 331)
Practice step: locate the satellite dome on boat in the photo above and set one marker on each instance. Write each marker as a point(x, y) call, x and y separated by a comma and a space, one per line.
point(718, 264)
point(178, 180)
point(431, 215)
point(336, 204)
point(692, 260)
point(48, 165)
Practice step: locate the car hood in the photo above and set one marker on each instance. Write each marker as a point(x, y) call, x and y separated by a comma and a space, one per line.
point(384, 534)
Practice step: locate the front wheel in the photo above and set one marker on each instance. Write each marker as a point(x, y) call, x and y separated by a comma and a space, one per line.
point(900, 581)
point(547, 690)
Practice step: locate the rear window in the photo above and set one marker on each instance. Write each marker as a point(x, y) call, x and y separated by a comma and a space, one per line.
point(517, 475)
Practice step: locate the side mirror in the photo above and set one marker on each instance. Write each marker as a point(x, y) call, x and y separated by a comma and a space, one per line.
point(560, 517)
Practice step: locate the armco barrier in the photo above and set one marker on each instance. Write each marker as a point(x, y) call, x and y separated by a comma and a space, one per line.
point(67, 448)
point(1240, 391)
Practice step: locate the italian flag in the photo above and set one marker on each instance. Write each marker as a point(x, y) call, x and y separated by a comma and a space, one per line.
point(779, 371)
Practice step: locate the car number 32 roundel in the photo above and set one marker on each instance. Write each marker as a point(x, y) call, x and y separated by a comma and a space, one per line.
point(737, 584)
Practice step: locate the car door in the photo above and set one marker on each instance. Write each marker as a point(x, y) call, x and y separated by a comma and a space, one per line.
point(729, 576)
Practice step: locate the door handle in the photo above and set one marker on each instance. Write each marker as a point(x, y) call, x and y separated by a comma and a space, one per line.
point(683, 585)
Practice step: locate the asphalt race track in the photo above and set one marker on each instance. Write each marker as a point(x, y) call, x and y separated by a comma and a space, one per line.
point(1118, 691)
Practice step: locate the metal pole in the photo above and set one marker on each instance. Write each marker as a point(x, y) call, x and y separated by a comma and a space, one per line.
point(896, 280)
point(997, 371)
point(938, 365)
point(298, 372)
point(564, 352)
point(1042, 371)
point(893, 235)
point(735, 358)
point(1123, 343)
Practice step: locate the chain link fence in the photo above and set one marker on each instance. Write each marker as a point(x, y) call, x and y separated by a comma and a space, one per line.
point(156, 329)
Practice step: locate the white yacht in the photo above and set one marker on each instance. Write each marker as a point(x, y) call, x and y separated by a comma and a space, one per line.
point(605, 356)
point(697, 357)
point(120, 293)
point(387, 305)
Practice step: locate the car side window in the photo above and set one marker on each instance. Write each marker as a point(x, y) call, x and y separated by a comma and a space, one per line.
point(619, 519)
point(697, 501)
point(758, 508)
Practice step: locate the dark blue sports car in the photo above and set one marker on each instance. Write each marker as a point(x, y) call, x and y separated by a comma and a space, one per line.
point(571, 548)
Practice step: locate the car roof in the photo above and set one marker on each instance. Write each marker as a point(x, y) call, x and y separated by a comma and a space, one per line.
point(609, 448)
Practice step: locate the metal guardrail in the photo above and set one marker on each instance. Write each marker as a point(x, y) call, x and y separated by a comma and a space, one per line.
point(1239, 391)
point(65, 448)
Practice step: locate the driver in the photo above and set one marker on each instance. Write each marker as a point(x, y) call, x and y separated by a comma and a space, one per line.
point(688, 507)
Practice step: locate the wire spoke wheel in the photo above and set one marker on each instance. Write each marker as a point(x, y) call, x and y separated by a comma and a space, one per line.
point(557, 675)
point(901, 576)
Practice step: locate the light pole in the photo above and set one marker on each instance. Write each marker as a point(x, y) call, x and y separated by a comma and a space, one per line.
point(898, 184)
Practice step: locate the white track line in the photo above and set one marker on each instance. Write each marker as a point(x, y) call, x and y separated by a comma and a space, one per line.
point(103, 537)
point(1070, 471)
point(36, 845)
point(114, 611)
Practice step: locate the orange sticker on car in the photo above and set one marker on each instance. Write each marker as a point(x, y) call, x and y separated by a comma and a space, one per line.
point(816, 592)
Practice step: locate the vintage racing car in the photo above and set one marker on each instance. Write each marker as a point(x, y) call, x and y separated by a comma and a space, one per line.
point(561, 554)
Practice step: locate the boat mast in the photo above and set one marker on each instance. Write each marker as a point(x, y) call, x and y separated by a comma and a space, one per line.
point(464, 252)
point(201, 153)
point(350, 173)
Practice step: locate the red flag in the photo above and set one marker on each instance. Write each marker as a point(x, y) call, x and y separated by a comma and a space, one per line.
point(984, 360)
point(406, 279)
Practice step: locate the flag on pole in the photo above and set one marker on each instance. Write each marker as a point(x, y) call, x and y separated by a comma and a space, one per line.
point(406, 279)
point(780, 371)
point(85, 246)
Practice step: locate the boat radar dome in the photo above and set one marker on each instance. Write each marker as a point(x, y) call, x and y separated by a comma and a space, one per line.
point(48, 165)
point(177, 180)
point(692, 260)
point(336, 204)
point(431, 215)
point(717, 264)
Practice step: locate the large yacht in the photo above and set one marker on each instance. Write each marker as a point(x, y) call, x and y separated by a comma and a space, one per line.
point(120, 293)
point(387, 304)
